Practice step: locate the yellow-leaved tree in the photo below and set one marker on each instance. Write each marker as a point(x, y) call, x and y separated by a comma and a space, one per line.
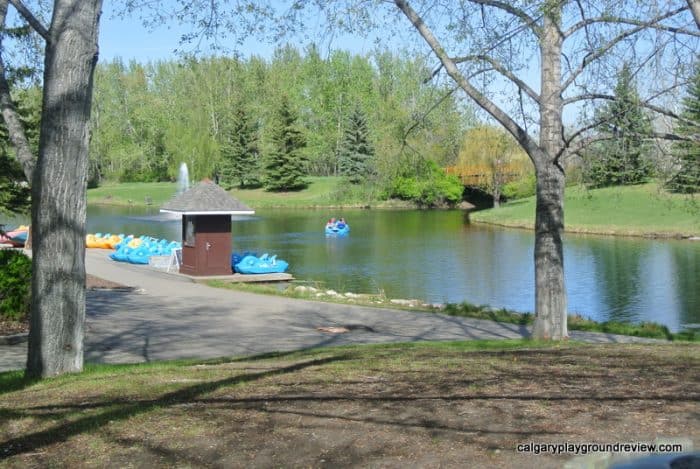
point(489, 158)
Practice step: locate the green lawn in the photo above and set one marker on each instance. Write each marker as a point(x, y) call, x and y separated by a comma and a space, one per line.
point(132, 193)
point(321, 192)
point(632, 210)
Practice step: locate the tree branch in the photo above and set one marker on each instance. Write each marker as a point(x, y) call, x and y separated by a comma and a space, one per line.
point(418, 121)
point(503, 71)
point(583, 143)
point(528, 20)
point(601, 51)
point(31, 19)
point(15, 129)
point(645, 104)
point(653, 24)
point(695, 10)
point(528, 144)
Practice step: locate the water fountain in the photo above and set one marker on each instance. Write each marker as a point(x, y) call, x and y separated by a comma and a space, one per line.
point(183, 179)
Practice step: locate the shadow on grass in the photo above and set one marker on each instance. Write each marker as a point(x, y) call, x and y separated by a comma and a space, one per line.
point(117, 410)
point(11, 381)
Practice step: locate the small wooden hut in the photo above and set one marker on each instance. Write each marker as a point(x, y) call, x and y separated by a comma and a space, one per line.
point(206, 211)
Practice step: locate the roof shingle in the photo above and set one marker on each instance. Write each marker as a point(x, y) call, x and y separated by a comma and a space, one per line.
point(205, 197)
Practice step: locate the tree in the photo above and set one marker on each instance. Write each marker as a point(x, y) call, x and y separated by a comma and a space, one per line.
point(58, 179)
point(14, 190)
point(239, 151)
point(284, 163)
point(573, 45)
point(492, 155)
point(356, 152)
point(623, 158)
point(687, 151)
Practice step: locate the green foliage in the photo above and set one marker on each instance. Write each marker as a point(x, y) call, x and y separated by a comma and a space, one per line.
point(687, 152)
point(431, 188)
point(15, 281)
point(624, 157)
point(575, 322)
point(285, 164)
point(14, 190)
point(149, 118)
point(356, 152)
point(239, 152)
point(520, 188)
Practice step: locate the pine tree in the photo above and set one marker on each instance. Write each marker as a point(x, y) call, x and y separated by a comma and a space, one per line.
point(624, 158)
point(239, 152)
point(356, 152)
point(285, 164)
point(687, 152)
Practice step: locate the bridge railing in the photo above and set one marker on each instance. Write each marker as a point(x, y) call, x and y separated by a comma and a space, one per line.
point(481, 175)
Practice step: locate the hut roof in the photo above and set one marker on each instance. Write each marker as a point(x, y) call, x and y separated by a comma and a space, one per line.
point(206, 198)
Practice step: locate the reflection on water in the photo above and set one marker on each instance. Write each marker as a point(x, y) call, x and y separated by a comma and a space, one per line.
point(437, 256)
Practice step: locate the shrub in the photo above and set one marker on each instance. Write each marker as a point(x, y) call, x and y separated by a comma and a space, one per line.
point(520, 188)
point(434, 189)
point(15, 285)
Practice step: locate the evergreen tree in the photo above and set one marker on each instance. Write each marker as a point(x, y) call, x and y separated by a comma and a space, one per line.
point(356, 152)
point(624, 158)
point(14, 190)
point(239, 152)
point(285, 163)
point(687, 152)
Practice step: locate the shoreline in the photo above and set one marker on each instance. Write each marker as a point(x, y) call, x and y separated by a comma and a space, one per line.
point(598, 232)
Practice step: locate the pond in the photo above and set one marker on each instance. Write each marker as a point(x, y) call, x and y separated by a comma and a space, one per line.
point(438, 257)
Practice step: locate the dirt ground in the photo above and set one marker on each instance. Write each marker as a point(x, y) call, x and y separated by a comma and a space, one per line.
point(91, 282)
point(418, 406)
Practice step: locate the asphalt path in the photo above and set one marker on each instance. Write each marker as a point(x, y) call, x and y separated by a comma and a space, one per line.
point(168, 316)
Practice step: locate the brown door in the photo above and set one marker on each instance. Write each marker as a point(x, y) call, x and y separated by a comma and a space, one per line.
point(214, 245)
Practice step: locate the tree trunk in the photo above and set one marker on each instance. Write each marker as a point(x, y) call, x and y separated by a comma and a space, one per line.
point(695, 10)
point(58, 192)
point(550, 291)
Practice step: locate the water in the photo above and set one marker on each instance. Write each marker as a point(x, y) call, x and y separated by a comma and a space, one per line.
point(436, 256)
point(183, 179)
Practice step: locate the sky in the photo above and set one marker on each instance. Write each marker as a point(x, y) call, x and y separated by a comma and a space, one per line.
point(129, 39)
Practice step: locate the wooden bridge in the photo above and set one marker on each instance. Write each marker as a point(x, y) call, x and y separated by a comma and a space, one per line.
point(480, 175)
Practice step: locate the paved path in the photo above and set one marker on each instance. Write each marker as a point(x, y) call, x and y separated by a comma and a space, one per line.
point(169, 316)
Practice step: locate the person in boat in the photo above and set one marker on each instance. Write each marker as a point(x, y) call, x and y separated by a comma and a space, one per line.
point(331, 223)
point(341, 223)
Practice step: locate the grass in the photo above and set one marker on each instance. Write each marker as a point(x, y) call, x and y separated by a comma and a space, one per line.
point(575, 322)
point(414, 404)
point(641, 210)
point(321, 192)
point(132, 193)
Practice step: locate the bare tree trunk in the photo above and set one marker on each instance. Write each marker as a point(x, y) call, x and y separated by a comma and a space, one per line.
point(550, 291)
point(15, 129)
point(695, 10)
point(58, 191)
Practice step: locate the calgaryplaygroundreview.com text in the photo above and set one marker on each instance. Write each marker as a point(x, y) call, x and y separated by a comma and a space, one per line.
point(586, 448)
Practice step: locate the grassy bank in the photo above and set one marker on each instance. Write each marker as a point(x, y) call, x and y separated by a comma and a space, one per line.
point(575, 322)
point(321, 192)
point(420, 404)
point(642, 210)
